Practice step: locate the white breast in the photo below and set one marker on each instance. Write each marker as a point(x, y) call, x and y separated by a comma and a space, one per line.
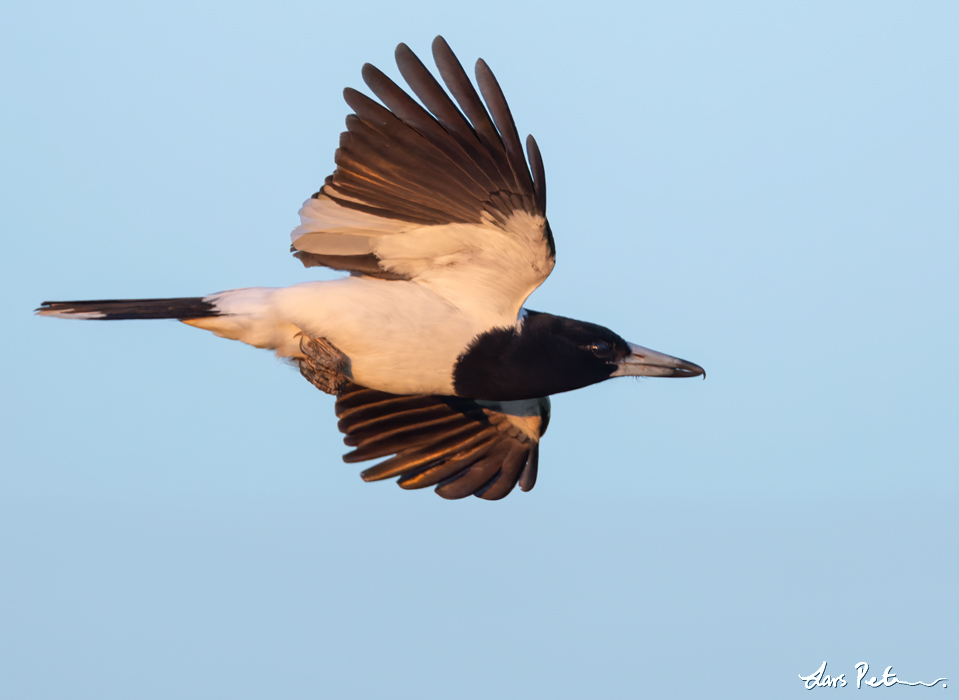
point(399, 336)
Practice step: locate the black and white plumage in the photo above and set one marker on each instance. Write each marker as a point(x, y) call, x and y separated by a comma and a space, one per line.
point(441, 223)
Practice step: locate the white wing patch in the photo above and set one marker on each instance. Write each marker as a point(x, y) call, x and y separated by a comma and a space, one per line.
point(328, 228)
point(486, 270)
point(483, 269)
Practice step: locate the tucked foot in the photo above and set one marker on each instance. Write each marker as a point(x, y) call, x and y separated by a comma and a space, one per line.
point(324, 366)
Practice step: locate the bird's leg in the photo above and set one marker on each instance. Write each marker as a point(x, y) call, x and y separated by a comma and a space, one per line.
point(324, 366)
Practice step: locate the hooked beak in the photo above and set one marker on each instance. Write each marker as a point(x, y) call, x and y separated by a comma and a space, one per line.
point(643, 362)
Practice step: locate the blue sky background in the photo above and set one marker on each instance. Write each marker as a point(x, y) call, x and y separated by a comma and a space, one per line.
point(769, 190)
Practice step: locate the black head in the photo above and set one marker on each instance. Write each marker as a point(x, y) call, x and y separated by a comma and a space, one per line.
point(551, 354)
point(548, 355)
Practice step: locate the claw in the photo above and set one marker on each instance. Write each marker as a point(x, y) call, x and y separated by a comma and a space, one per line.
point(324, 366)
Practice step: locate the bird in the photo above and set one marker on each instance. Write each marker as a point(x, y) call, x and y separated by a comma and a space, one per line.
point(439, 219)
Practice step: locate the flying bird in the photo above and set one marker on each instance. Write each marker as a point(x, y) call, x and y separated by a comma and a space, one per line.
point(440, 221)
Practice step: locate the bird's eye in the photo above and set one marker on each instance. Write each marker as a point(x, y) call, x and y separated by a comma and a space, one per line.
point(601, 348)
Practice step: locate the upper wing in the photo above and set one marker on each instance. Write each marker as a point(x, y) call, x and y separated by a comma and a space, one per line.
point(460, 446)
point(443, 197)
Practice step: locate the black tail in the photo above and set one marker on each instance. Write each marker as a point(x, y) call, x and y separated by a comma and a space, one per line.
point(122, 309)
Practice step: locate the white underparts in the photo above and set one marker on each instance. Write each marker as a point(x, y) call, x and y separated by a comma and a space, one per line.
point(401, 336)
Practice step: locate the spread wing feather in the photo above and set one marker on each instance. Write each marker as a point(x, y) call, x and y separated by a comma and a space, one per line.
point(419, 189)
point(446, 126)
point(503, 120)
point(460, 446)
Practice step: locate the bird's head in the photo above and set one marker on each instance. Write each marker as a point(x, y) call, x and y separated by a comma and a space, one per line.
point(549, 354)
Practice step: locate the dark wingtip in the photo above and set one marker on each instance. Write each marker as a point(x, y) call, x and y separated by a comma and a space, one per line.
point(539, 171)
point(403, 53)
point(371, 73)
point(439, 43)
point(527, 479)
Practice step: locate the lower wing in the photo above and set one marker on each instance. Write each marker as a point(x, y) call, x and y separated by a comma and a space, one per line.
point(461, 446)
